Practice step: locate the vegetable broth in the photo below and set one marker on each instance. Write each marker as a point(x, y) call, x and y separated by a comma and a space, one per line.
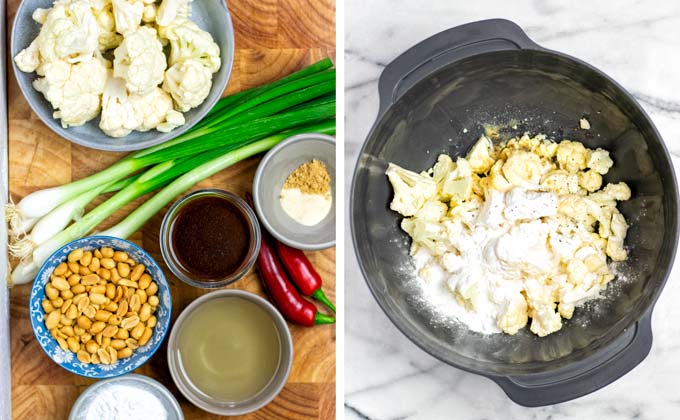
point(229, 348)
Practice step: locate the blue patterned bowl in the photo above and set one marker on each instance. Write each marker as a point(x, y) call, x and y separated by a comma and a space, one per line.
point(67, 359)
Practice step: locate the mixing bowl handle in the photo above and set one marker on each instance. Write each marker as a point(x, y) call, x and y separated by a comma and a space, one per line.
point(445, 48)
point(584, 377)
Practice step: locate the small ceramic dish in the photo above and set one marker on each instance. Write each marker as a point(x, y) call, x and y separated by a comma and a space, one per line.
point(271, 174)
point(223, 408)
point(210, 15)
point(171, 259)
point(66, 358)
point(96, 399)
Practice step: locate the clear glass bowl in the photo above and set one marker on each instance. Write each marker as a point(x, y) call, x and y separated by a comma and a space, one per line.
point(171, 259)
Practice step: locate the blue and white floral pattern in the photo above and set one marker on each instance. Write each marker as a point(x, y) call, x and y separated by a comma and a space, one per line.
point(67, 359)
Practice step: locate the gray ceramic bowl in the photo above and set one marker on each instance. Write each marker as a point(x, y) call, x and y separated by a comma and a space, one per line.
point(210, 15)
point(274, 168)
point(256, 402)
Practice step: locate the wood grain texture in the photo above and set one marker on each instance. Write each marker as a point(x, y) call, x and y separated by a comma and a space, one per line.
point(273, 38)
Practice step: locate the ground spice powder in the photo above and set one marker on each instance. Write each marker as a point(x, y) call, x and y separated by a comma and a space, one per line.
point(311, 178)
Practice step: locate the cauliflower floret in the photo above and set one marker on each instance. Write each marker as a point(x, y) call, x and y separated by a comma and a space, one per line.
point(561, 182)
point(442, 168)
point(127, 14)
point(140, 61)
point(74, 89)
point(600, 161)
point(119, 116)
point(544, 319)
point(69, 33)
point(411, 190)
point(572, 156)
point(155, 109)
point(612, 193)
point(547, 149)
point(149, 13)
point(590, 180)
point(108, 38)
point(189, 83)
point(523, 169)
point(496, 179)
point(40, 15)
point(28, 60)
point(514, 316)
point(169, 10)
point(431, 235)
point(432, 210)
point(458, 183)
point(189, 42)
point(480, 156)
point(619, 227)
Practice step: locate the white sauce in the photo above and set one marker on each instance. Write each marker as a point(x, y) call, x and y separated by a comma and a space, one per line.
point(306, 209)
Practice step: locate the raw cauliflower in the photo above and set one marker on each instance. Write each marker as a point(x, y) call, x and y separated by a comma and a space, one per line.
point(480, 156)
point(189, 42)
point(28, 59)
point(74, 90)
point(127, 14)
point(119, 116)
point(572, 156)
point(103, 13)
point(411, 190)
point(169, 10)
point(70, 32)
point(189, 83)
point(140, 61)
point(155, 109)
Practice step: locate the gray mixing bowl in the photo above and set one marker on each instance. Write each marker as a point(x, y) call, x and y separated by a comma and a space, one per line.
point(210, 15)
point(434, 99)
point(271, 174)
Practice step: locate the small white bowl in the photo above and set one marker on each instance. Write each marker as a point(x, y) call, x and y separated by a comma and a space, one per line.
point(270, 176)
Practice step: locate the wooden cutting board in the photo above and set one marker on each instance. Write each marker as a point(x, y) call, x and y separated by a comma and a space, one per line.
point(273, 38)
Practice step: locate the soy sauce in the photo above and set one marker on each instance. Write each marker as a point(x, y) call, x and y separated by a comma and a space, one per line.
point(210, 238)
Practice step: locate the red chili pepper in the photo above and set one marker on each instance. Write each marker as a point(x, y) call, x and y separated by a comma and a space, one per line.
point(292, 306)
point(302, 273)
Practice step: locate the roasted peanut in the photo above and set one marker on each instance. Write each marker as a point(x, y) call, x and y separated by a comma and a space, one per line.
point(124, 353)
point(130, 322)
point(144, 281)
point(137, 272)
point(118, 344)
point(145, 312)
point(123, 269)
point(104, 273)
point(137, 331)
point(97, 253)
point(122, 308)
point(115, 320)
point(97, 299)
point(97, 327)
point(78, 289)
point(107, 252)
point(102, 315)
point(99, 289)
point(135, 303)
point(128, 283)
point(153, 301)
point(151, 323)
point(86, 259)
point(51, 292)
point(52, 319)
point(120, 256)
point(68, 330)
point(47, 306)
point(83, 356)
point(110, 291)
point(73, 344)
point(66, 294)
point(60, 270)
point(107, 263)
point(122, 333)
point(146, 336)
point(111, 307)
point(62, 343)
point(142, 296)
point(84, 271)
point(73, 267)
point(152, 289)
point(110, 331)
point(91, 346)
point(75, 255)
point(60, 283)
point(89, 280)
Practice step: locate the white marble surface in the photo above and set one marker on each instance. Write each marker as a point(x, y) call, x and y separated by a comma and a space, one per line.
point(635, 42)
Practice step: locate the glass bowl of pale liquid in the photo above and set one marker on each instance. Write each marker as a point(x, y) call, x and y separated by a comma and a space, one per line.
point(230, 352)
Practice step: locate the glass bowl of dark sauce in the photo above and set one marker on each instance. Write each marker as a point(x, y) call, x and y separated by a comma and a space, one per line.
point(210, 238)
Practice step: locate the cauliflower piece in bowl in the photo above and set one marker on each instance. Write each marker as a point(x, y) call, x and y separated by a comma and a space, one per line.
point(140, 61)
point(74, 90)
point(169, 10)
point(156, 111)
point(119, 116)
point(127, 14)
point(189, 83)
point(189, 42)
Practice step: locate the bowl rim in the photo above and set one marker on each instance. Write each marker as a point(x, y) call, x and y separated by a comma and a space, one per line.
point(165, 238)
point(45, 115)
point(262, 212)
point(128, 376)
point(600, 345)
point(285, 365)
point(34, 287)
